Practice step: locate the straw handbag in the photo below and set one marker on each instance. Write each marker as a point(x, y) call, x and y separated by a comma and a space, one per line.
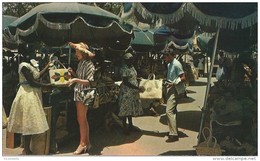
point(209, 147)
point(153, 87)
point(59, 77)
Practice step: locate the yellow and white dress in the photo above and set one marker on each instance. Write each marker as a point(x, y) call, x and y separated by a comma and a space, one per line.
point(27, 115)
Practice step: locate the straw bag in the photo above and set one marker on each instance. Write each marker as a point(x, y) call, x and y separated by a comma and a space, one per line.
point(153, 88)
point(59, 77)
point(209, 147)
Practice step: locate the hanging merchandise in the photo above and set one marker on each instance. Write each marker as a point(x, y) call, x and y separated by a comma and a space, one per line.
point(219, 73)
point(208, 147)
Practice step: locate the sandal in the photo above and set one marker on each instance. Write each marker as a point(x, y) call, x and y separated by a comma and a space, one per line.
point(82, 149)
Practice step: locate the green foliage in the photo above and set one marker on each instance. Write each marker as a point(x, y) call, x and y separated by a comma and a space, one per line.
point(111, 7)
point(17, 9)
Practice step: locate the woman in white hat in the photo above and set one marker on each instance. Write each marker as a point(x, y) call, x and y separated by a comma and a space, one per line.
point(129, 99)
point(82, 77)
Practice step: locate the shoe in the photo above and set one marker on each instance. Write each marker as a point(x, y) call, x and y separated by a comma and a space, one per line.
point(82, 149)
point(54, 149)
point(172, 138)
point(134, 129)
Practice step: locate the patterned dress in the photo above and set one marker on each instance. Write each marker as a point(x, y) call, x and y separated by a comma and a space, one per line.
point(85, 70)
point(27, 115)
point(129, 98)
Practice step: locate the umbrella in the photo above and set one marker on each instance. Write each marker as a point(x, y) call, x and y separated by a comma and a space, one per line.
point(181, 41)
point(147, 40)
point(203, 40)
point(224, 15)
point(131, 15)
point(167, 12)
point(7, 41)
point(155, 14)
point(7, 20)
point(234, 42)
point(55, 24)
point(178, 25)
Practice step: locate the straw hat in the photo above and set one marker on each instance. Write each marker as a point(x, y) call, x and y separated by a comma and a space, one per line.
point(83, 48)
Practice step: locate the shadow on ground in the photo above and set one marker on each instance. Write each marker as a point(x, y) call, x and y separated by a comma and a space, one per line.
point(101, 138)
point(180, 153)
point(198, 83)
point(189, 120)
point(186, 100)
point(190, 91)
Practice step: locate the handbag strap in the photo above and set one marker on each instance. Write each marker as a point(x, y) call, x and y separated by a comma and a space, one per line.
point(210, 135)
point(203, 133)
point(215, 141)
point(61, 64)
point(151, 76)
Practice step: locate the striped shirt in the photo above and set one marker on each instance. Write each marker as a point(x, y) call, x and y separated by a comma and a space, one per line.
point(85, 71)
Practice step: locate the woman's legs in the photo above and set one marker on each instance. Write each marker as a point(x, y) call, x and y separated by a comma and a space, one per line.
point(27, 141)
point(131, 126)
point(124, 121)
point(130, 120)
point(125, 128)
point(83, 123)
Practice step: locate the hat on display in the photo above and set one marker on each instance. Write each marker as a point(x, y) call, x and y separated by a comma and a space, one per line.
point(83, 48)
point(127, 56)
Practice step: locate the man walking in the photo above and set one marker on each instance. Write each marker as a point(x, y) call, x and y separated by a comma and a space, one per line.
point(175, 89)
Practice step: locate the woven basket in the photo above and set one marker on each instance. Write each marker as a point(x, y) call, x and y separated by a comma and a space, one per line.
point(209, 147)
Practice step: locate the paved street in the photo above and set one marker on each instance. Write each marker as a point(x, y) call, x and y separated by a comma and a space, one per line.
point(149, 142)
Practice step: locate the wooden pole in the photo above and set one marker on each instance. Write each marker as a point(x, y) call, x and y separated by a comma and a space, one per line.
point(204, 108)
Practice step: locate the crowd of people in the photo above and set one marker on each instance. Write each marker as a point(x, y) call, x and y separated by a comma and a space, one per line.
point(27, 116)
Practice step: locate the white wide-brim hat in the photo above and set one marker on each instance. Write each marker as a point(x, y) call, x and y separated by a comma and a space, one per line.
point(83, 48)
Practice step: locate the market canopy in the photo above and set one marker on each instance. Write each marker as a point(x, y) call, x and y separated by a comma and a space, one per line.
point(232, 41)
point(147, 40)
point(215, 15)
point(203, 40)
point(7, 42)
point(183, 42)
point(237, 21)
point(131, 15)
point(224, 15)
point(156, 14)
point(7, 20)
point(56, 24)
